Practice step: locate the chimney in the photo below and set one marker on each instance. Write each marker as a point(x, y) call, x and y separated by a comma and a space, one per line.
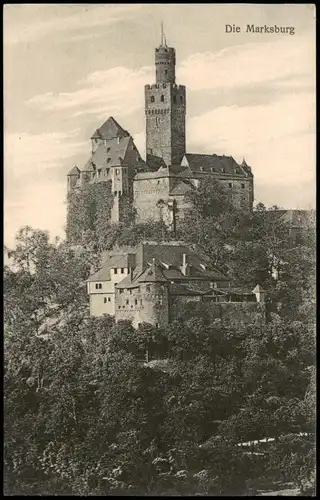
point(153, 265)
point(184, 267)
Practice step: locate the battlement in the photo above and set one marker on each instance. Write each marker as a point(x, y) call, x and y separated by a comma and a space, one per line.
point(164, 85)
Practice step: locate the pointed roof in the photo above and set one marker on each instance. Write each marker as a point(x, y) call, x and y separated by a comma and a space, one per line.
point(110, 130)
point(74, 171)
point(153, 273)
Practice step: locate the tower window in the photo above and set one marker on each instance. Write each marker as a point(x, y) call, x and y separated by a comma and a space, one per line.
point(162, 98)
point(105, 300)
point(230, 185)
point(109, 299)
point(152, 98)
point(174, 99)
point(243, 186)
point(181, 98)
point(122, 270)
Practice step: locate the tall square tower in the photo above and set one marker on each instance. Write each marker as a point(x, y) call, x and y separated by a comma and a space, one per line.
point(165, 108)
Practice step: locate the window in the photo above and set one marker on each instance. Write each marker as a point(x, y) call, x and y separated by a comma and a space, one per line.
point(130, 291)
point(115, 193)
point(174, 99)
point(119, 307)
point(107, 171)
point(230, 185)
point(166, 72)
point(98, 286)
point(108, 149)
point(99, 172)
point(127, 301)
point(136, 302)
point(148, 288)
point(243, 186)
point(105, 300)
point(121, 290)
point(181, 98)
point(115, 270)
point(108, 160)
point(152, 98)
point(109, 299)
point(122, 270)
point(162, 98)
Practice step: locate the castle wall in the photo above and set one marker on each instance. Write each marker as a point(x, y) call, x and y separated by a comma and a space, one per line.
point(146, 304)
point(231, 313)
point(147, 193)
point(102, 303)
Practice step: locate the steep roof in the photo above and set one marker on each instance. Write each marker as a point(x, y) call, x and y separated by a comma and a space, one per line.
point(110, 130)
point(109, 154)
point(74, 171)
point(103, 274)
point(153, 262)
point(216, 164)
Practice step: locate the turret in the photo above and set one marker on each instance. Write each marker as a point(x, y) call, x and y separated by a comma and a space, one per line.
point(73, 177)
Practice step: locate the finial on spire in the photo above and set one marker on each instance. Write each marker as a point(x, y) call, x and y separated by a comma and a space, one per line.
point(163, 37)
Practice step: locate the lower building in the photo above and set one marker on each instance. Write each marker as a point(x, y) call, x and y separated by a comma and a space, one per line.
point(149, 283)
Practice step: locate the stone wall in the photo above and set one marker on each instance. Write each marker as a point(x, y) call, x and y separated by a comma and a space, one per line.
point(232, 313)
point(165, 111)
point(147, 303)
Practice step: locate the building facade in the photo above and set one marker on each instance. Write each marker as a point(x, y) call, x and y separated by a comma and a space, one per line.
point(150, 283)
point(156, 187)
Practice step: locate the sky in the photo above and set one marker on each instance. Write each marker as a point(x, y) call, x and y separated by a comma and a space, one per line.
point(67, 68)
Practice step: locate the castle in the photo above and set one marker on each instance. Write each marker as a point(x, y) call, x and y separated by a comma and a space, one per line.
point(148, 283)
point(156, 187)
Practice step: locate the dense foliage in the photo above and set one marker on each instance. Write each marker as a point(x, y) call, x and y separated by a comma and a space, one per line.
point(88, 210)
point(97, 408)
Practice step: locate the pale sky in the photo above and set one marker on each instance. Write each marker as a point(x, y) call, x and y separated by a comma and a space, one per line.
point(67, 68)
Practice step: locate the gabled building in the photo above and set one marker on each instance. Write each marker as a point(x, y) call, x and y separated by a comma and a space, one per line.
point(157, 188)
point(147, 284)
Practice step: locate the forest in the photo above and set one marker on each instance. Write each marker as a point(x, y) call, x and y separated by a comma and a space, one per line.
point(195, 408)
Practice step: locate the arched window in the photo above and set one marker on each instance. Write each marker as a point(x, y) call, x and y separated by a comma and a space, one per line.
point(152, 98)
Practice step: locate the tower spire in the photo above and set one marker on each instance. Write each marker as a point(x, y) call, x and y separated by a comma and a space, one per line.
point(162, 36)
